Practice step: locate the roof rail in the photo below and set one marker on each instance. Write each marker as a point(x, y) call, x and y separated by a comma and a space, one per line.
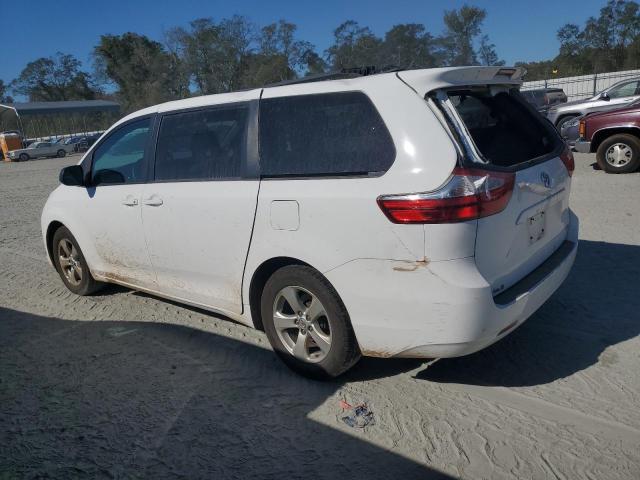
point(345, 73)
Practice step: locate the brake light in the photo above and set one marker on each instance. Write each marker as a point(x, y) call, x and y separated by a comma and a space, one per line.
point(468, 195)
point(582, 129)
point(567, 158)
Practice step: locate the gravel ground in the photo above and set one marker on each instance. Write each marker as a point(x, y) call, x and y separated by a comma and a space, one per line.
point(124, 385)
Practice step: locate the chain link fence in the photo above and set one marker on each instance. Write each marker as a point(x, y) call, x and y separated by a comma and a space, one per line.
point(583, 86)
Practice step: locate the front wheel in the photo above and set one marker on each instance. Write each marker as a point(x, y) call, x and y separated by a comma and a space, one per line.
point(619, 154)
point(71, 264)
point(564, 120)
point(23, 157)
point(307, 324)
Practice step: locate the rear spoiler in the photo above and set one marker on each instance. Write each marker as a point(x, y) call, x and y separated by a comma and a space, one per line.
point(427, 80)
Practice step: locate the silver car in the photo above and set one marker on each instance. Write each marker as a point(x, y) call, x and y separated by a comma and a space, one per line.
point(40, 149)
point(616, 96)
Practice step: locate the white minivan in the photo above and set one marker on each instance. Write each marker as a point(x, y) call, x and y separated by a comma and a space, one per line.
point(418, 213)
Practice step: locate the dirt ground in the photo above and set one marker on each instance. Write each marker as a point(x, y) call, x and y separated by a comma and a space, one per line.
point(123, 385)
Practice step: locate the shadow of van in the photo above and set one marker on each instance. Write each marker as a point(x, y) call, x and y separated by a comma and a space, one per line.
point(109, 399)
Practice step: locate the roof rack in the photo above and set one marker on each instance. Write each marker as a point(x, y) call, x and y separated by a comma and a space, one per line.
point(345, 73)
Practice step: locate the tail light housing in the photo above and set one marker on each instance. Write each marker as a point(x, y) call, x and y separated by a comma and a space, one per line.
point(567, 159)
point(468, 195)
point(582, 128)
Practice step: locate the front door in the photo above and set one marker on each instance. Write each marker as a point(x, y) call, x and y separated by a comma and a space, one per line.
point(198, 212)
point(111, 205)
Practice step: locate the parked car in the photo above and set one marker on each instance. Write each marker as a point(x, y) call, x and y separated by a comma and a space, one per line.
point(40, 149)
point(616, 96)
point(614, 136)
point(570, 130)
point(418, 213)
point(85, 142)
point(543, 98)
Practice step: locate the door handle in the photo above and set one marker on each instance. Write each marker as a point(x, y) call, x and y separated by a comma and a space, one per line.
point(130, 201)
point(153, 201)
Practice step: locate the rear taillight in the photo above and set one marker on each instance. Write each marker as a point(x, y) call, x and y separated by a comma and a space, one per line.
point(567, 159)
point(468, 195)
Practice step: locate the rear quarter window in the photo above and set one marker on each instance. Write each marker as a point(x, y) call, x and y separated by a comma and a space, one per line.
point(323, 135)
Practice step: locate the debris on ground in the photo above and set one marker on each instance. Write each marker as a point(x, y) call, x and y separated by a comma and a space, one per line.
point(358, 416)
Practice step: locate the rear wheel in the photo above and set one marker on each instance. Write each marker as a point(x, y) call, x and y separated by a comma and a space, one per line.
point(71, 264)
point(23, 157)
point(619, 154)
point(307, 324)
point(61, 153)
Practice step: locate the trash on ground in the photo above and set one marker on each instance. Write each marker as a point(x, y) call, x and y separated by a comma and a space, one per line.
point(358, 416)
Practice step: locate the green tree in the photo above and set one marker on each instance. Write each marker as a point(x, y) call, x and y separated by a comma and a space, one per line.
point(354, 46)
point(141, 69)
point(487, 53)
point(462, 27)
point(213, 53)
point(55, 78)
point(4, 88)
point(408, 46)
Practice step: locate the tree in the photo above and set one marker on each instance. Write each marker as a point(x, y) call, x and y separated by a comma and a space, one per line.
point(55, 78)
point(143, 71)
point(462, 27)
point(487, 53)
point(607, 42)
point(214, 52)
point(408, 46)
point(4, 98)
point(354, 46)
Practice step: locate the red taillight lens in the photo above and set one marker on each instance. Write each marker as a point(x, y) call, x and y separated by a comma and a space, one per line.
point(567, 159)
point(468, 195)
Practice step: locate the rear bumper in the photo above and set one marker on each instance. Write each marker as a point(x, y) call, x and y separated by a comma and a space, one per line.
point(582, 146)
point(441, 309)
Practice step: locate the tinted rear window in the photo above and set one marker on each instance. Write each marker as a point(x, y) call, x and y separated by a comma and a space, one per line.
point(503, 128)
point(327, 134)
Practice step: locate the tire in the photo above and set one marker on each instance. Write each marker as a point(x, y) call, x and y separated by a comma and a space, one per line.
point(619, 153)
point(75, 275)
point(564, 120)
point(23, 157)
point(328, 320)
point(61, 153)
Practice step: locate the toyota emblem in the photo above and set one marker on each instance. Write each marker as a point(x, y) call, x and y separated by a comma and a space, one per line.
point(546, 179)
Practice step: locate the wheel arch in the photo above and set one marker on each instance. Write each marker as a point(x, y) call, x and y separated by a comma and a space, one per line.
point(601, 135)
point(567, 115)
point(51, 230)
point(259, 279)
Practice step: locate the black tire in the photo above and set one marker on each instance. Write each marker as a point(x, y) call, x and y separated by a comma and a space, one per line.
point(86, 284)
point(61, 153)
point(343, 352)
point(625, 140)
point(23, 157)
point(564, 120)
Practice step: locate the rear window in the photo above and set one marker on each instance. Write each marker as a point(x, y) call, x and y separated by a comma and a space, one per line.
point(320, 135)
point(504, 129)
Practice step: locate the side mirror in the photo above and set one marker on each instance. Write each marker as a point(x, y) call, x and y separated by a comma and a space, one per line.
point(72, 176)
point(605, 96)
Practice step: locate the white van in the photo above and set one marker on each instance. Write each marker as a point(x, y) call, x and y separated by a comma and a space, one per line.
point(418, 213)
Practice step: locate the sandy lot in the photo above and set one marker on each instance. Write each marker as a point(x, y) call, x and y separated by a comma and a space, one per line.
point(123, 385)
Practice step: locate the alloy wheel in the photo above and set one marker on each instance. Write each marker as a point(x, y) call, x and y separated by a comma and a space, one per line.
point(302, 324)
point(70, 262)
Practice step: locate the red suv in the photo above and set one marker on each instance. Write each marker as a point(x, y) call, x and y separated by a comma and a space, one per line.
point(615, 138)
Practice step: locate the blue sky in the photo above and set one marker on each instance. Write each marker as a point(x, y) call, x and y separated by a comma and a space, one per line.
point(522, 30)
